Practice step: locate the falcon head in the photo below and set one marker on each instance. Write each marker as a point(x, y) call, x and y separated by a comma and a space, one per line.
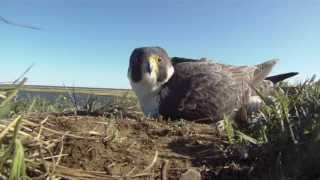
point(149, 69)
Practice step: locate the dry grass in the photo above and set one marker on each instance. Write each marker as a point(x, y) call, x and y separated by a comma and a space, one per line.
point(281, 143)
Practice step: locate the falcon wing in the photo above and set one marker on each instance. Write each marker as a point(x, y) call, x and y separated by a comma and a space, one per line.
point(176, 60)
point(203, 89)
point(199, 90)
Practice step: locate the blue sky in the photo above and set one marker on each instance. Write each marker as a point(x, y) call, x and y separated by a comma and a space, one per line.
point(88, 42)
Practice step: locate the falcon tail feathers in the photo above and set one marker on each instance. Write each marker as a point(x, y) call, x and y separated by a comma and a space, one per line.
point(263, 70)
point(280, 77)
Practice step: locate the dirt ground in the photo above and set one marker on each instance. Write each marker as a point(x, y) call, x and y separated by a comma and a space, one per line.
point(144, 148)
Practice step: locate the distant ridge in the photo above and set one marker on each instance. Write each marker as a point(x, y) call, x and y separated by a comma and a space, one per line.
point(63, 89)
point(6, 84)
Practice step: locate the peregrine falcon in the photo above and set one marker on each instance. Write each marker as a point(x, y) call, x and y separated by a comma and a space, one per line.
point(182, 88)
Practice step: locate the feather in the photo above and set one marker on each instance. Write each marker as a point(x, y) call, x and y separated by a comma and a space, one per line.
point(280, 77)
point(200, 89)
point(263, 70)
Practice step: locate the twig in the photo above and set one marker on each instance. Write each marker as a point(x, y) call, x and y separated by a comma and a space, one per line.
point(56, 156)
point(152, 163)
point(53, 160)
point(130, 172)
point(43, 161)
point(41, 127)
point(10, 126)
point(164, 170)
point(45, 120)
point(95, 133)
point(61, 150)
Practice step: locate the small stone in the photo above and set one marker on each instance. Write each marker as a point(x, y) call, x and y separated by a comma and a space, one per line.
point(191, 174)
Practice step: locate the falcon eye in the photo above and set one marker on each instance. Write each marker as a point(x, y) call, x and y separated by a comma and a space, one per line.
point(159, 59)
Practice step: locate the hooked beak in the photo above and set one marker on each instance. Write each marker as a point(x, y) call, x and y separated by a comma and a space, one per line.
point(153, 64)
point(148, 68)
